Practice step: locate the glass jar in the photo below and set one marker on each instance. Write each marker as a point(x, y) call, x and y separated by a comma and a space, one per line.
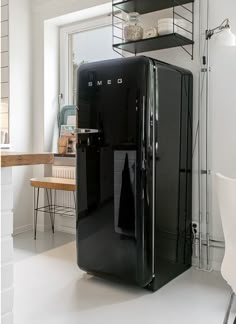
point(133, 30)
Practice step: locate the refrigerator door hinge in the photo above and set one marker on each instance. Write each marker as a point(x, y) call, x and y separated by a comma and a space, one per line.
point(156, 148)
point(144, 165)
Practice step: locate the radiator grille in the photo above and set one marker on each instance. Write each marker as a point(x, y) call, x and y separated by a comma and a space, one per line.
point(67, 172)
point(64, 198)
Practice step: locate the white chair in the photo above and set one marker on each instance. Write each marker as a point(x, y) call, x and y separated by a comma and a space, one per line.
point(226, 191)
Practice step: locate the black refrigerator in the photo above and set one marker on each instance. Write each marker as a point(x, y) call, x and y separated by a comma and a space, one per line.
point(134, 170)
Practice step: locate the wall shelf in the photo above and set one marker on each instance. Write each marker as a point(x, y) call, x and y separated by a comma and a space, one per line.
point(174, 39)
point(154, 43)
point(146, 6)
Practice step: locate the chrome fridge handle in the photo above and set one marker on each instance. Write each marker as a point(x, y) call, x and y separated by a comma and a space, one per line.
point(86, 131)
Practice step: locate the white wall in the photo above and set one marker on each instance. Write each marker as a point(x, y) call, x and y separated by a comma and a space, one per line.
point(21, 109)
point(223, 100)
point(51, 86)
point(222, 106)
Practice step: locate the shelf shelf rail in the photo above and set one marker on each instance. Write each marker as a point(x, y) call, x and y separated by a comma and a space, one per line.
point(176, 6)
point(117, 28)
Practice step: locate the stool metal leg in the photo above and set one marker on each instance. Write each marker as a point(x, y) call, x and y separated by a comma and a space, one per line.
point(50, 209)
point(54, 209)
point(229, 308)
point(36, 205)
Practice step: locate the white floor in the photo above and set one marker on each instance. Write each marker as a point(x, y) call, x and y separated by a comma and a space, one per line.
point(25, 246)
point(49, 288)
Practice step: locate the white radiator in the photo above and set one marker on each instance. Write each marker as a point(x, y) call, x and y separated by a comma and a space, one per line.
point(64, 198)
point(63, 171)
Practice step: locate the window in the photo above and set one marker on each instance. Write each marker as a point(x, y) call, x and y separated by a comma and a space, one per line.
point(86, 42)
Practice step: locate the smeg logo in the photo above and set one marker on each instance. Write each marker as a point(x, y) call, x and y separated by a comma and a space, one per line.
point(100, 83)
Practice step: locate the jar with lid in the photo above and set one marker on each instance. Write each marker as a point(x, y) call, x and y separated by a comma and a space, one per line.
point(133, 29)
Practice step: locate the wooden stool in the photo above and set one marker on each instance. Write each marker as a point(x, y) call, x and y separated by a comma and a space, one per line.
point(49, 184)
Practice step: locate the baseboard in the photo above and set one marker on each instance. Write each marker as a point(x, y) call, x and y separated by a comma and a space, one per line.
point(214, 265)
point(44, 228)
point(22, 229)
point(216, 255)
point(65, 229)
point(29, 227)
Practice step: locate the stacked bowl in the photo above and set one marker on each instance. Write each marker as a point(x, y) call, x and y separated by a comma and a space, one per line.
point(169, 25)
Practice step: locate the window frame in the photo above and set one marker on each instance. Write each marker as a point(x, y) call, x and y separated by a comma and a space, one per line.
point(65, 94)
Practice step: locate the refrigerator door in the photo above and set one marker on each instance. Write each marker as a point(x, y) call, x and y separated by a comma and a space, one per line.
point(172, 190)
point(114, 216)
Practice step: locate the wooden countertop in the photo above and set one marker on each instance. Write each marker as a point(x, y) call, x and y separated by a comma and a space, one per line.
point(9, 159)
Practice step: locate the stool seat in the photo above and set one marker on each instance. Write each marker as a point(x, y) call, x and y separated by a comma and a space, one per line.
point(54, 183)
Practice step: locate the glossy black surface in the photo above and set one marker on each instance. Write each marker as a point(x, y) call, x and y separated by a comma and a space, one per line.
point(173, 247)
point(121, 231)
point(154, 43)
point(143, 7)
point(113, 105)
